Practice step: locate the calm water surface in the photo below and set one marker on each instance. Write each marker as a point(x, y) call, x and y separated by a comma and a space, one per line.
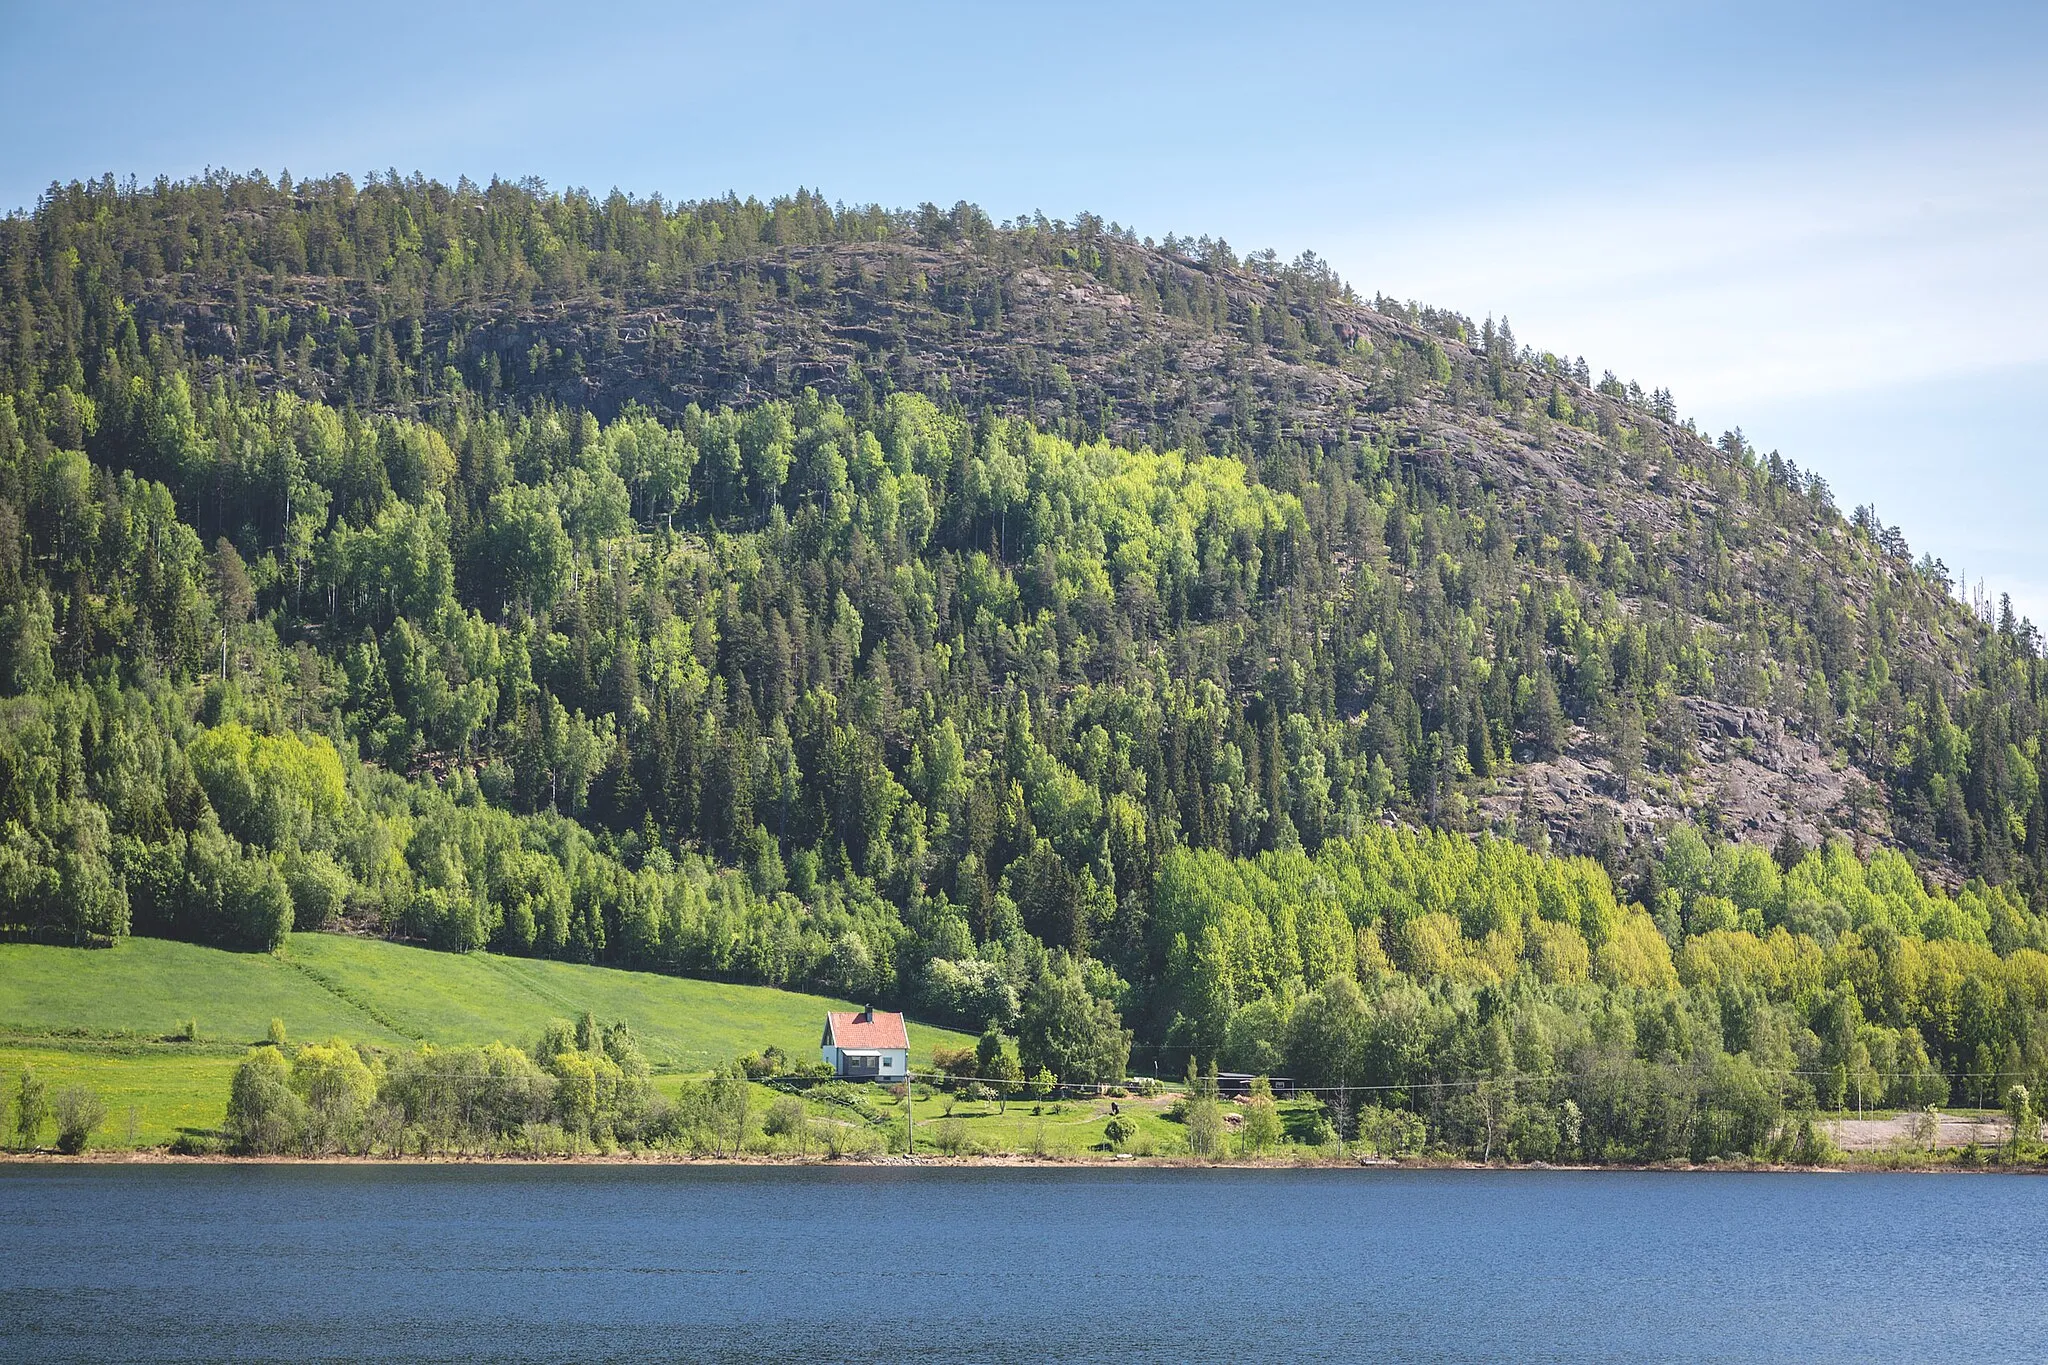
point(597, 1263)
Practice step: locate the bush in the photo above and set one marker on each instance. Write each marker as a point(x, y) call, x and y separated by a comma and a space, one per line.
point(785, 1117)
point(264, 1116)
point(1120, 1129)
point(950, 1136)
point(1204, 1118)
point(80, 1112)
point(1391, 1132)
point(956, 1063)
point(847, 1139)
point(194, 1144)
point(31, 1108)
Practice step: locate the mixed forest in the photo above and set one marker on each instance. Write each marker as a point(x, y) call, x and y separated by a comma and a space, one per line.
point(1148, 653)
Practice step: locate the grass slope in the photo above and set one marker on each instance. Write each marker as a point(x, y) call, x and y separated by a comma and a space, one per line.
point(105, 1017)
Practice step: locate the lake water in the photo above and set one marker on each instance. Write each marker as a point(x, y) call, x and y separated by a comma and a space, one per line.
point(609, 1263)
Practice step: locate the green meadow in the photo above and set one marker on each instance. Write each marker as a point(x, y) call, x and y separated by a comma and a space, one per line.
point(115, 1018)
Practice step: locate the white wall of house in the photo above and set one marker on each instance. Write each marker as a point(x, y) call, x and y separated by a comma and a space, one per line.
point(893, 1062)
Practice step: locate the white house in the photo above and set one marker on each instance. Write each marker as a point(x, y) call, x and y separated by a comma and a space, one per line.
point(871, 1045)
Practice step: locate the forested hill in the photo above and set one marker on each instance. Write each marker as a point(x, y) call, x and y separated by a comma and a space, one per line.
point(1721, 644)
point(883, 600)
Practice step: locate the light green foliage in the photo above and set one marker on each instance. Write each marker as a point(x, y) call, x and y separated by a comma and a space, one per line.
point(264, 1115)
point(80, 1113)
point(1202, 1112)
point(31, 1107)
point(1390, 1132)
point(786, 1118)
point(1261, 1127)
point(337, 1088)
point(2019, 1112)
point(1067, 1030)
point(998, 1064)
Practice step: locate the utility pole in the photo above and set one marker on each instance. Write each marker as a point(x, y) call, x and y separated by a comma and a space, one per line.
point(909, 1114)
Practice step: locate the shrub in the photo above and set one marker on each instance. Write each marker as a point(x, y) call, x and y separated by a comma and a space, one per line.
point(1120, 1129)
point(785, 1117)
point(277, 1034)
point(848, 1139)
point(957, 1063)
point(31, 1108)
point(1261, 1117)
point(263, 1114)
point(950, 1136)
point(1391, 1132)
point(80, 1112)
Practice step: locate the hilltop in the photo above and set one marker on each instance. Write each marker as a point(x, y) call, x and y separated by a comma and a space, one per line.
point(386, 296)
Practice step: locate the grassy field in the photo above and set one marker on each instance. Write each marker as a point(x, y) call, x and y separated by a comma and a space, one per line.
point(108, 1017)
point(161, 1093)
point(1069, 1127)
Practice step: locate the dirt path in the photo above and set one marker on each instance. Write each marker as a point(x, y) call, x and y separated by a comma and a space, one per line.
point(1869, 1135)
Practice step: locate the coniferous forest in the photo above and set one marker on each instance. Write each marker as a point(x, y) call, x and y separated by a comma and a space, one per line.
point(1150, 651)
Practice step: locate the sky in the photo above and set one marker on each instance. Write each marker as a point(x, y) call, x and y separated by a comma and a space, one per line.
point(1824, 224)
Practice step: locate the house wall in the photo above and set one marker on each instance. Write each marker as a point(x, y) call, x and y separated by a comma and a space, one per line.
point(895, 1061)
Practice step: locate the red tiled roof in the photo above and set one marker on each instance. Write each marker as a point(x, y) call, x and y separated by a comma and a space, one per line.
point(868, 1028)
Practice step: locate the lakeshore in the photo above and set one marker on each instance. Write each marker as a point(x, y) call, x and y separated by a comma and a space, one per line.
point(1866, 1163)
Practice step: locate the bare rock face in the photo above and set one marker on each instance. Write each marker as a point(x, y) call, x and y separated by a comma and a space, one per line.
point(1751, 779)
point(1165, 348)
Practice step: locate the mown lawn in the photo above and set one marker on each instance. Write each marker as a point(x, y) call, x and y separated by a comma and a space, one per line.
point(1069, 1127)
point(98, 1016)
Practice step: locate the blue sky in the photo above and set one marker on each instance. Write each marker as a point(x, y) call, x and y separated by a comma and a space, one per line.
point(1826, 224)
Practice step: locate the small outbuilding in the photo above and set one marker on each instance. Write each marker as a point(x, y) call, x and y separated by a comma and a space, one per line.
point(1237, 1085)
point(868, 1045)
